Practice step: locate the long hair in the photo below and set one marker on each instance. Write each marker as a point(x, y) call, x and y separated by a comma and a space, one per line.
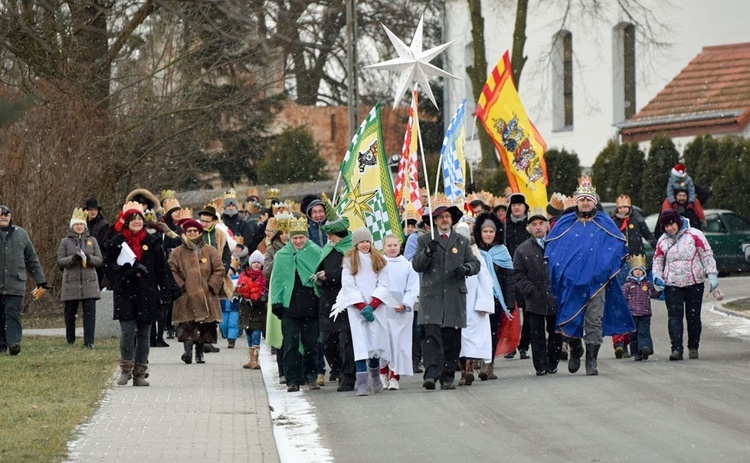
point(499, 231)
point(378, 261)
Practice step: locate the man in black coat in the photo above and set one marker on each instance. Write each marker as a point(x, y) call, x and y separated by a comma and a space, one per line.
point(97, 226)
point(516, 220)
point(532, 281)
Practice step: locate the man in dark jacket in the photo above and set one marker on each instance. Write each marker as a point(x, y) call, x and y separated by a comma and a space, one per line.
point(444, 262)
point(17, 256)
point(316, 218)
point(337, 337)
point(97, 226)
point(516, 233)
point(293, 300)
point(532, 280)
point(232, 219)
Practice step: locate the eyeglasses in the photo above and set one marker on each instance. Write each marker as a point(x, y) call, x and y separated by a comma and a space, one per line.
point(5, 214)
point(192, 230)
point(207, 222)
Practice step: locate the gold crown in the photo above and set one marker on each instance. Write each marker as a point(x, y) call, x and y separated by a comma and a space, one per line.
point(184, 214)
point(280, 207)
point(298, 224)
point(149, 215)
point(132, 205)
point(537, 212)
point(585, 187)
point(230, 193)
point(283, 221)
point(500, 201)
point(217, 203)
point(79, 215)
point(271, 224)
point(557, 201)
point(637, 261)
point(166, 194)
point(294, 207)
point(569, 201)
point(411, 214)
point(252, 191)
point(272, 193)
point(623, 200)
point(440, 201)
point(170, 203)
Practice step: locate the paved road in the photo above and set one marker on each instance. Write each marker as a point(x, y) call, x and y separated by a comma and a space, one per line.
point(694, 410)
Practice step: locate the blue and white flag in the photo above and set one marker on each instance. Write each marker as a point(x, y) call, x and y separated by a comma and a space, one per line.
point(452, 153)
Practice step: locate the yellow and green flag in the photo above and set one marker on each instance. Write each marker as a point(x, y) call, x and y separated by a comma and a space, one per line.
point(367, 199)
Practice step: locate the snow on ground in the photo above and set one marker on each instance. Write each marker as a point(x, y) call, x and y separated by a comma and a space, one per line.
point(295, 426)
point(732, 325)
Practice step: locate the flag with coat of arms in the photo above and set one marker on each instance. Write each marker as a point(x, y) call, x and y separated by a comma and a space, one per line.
point(367, 198)
point(517, 141)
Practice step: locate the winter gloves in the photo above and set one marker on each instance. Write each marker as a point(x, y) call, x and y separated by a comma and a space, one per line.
point(368, 313)
point(278, 310)
point(461, 272)
point(713, 280)
point(659, 284)
point(432, 247)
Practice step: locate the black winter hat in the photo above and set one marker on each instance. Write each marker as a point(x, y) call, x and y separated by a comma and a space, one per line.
point(92, 203)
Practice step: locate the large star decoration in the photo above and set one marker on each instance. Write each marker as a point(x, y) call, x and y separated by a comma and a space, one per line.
point(357, 202)
point(413, 64)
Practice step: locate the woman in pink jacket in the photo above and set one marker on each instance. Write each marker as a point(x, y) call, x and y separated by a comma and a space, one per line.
point(682, 261)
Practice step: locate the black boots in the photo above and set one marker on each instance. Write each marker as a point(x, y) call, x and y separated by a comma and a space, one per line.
point(592, 351)
point(199, 353)
point(187, 357)
point(576, 352)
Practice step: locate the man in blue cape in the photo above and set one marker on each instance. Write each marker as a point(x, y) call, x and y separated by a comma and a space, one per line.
point(585, 251)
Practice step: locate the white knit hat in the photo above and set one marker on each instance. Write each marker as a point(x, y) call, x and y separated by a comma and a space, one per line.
point(256, 256)
point(361, 234)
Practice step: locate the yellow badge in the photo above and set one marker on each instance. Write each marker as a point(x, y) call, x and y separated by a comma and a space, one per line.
point(88, 243)
point(145, 247)
point(454, 250)
point(644, 287)
point(631, 226)
point(204, 260)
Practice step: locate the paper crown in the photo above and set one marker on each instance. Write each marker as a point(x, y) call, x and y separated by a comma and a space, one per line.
point(184, 214)
point(484, 196)
point(252, 191)
point(132, 205)
point(585, 187)
point(217, 203)
point(293, 207)
point(557, 201)
point(499, 201)
point(230, 193)
point(283, 221)
point(537, 213)
point(170, 204)
point(440, 201)
point(411, 214)
point(280, 207)
point(149, 215)
point(638, 261)
point(623, 200)
point(79, 215)
point(298, 225)
point(166, 194)
point(569, 201)
point(272, 193)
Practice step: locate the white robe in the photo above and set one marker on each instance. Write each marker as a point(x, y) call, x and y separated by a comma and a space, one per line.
point(476, 338)
point(369, 339)
point(405, 290)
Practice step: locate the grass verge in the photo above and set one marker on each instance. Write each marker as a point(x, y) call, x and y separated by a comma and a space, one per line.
point(48, 390)
point(740, 305)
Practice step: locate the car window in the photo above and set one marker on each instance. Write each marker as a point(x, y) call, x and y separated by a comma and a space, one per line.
point(737, 223)
point(713, 224)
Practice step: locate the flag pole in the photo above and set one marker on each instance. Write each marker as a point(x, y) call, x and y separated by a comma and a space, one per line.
point(424, 170)
point(336, 189)
point(473, 132)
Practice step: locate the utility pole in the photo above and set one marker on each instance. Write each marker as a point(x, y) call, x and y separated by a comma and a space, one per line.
point(352, 95)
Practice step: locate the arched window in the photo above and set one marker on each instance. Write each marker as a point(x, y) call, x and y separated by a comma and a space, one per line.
point(562, 81)
point(623, 72)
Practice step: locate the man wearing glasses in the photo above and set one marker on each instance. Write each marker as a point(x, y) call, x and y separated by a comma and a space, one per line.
point(17, 256)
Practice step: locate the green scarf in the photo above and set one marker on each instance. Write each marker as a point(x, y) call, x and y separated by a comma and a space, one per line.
point(342, 246)
point(286, 263)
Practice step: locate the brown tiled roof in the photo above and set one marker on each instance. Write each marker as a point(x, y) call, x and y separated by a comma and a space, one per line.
point(710, 95)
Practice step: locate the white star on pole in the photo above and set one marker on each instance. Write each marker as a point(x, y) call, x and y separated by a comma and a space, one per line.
point(413, 63)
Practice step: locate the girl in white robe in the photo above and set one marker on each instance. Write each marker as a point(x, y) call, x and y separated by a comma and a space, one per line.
point(365, 294)
point(476, 338)
point(405, 290)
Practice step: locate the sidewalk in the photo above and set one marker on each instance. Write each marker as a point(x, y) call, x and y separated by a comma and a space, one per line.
point(217, 411)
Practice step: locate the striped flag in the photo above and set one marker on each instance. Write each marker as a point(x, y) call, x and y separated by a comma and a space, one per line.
point(367, 199)
point(519, 145)
point(407, 178)
point(452, 153)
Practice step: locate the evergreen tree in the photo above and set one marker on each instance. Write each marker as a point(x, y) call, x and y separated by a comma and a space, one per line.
point(605, 173)
point(292, 157)
point(662, 156)
point(630, 172)
point(563, 170)
point(730, 188)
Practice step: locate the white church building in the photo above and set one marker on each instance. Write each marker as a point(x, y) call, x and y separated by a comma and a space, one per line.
point(587, 75)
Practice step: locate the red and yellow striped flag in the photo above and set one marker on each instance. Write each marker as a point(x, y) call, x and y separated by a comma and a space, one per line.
point(519, 145)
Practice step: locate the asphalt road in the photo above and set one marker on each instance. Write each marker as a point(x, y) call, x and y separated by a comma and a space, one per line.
point(657, 410)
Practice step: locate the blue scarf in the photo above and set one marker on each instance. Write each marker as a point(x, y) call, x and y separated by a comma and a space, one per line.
point(497, 255)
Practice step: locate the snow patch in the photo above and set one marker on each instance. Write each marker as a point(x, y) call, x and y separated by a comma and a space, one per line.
point(734, 326)
point(295, 426)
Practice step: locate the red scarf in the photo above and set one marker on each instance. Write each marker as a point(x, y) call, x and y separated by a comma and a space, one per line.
point(251, 285)
point(134, 241)
point(624, 224)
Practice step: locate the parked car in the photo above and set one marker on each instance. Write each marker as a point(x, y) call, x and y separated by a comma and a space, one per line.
point(609, 208)
point(728, 234)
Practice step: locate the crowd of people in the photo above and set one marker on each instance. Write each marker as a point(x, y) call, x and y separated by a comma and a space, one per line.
point(498, 278)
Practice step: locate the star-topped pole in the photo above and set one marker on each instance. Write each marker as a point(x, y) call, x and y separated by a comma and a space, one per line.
point(413, 64)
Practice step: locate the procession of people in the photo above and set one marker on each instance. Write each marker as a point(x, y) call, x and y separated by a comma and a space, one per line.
point(321, 294)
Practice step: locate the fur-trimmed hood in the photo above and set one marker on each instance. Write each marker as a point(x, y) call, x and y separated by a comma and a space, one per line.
point(147, 195)
point(477, 232)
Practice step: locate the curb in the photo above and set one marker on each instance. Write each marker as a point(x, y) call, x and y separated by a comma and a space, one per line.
point(719, 307)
